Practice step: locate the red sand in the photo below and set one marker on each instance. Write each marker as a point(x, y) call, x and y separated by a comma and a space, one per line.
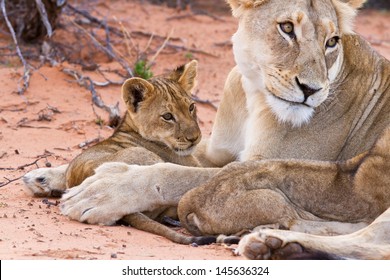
point(31, 229)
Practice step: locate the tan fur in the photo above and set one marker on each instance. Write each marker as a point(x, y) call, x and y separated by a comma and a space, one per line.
point(307, 196)
point(292, 102)
point(143, 137)
point(367, 186)
point(369, 243)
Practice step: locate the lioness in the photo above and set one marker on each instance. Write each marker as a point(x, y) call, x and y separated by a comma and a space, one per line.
point(300, 194)
point(160, 125)
point(305, 88)
point(371, 242)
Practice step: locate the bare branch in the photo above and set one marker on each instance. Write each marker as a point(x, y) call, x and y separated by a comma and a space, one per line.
point(193, 50)
point(114, 30)
point(89, 142)
point(2, 184)
point(26, 66)
point(151, 61)
point(35, 162)
point(44, 18)
point(87, 82)
point(202, 101)
point(110, 53)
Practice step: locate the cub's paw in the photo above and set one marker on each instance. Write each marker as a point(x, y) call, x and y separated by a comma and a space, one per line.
point(115, 190)
point(46, 182)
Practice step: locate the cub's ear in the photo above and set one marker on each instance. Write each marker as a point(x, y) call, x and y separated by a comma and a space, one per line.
point(238, 6)
point(354, 3)
point(186, 75)
point(134, 91)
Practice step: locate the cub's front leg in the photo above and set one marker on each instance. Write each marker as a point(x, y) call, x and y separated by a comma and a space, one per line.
point(117, 189)
point(46, 182)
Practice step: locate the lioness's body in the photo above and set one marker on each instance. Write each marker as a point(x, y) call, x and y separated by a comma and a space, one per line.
point(347, 126)
point(292, 193)
point(306, 196)
point(361, 202)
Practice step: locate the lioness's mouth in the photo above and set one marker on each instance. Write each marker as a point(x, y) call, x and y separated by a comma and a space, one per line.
point(289, 101)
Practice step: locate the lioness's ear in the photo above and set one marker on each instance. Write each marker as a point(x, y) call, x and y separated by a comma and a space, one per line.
point(238, 6)
point(346, 13)
point(134, 91)
point(354, 3)
point(186, 75)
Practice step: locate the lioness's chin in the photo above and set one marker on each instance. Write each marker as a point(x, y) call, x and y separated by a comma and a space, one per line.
point(289, 112)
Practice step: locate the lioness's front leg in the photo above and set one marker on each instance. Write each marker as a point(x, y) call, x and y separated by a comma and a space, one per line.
point(117, 189)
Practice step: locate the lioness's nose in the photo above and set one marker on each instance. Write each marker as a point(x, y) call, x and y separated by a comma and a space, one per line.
point(306, 89)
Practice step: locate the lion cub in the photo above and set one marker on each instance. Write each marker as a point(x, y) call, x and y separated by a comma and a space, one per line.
point(160, 125)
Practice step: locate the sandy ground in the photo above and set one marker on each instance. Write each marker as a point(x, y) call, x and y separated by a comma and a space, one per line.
point(33, 228)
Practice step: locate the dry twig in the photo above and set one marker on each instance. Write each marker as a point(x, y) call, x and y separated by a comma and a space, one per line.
point(114, 30)
point(193, 14)
point(206, 102)
point(22, 167)
point(35, 162)
point(89, 142)
point(47, 113)
point(87, 82)
point(44, 18)
point(2, 184)
point(27, 67)
point(193, 50)
point(49, 203)
point(110, 53)
point(151, 61)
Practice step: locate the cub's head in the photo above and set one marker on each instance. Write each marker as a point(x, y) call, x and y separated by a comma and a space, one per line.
point(292, 51)
point(162, 109)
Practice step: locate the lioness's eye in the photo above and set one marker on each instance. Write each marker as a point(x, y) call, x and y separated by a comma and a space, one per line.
point(192, 107)
point(332, 42)
point(167, 116)
point(287, 27)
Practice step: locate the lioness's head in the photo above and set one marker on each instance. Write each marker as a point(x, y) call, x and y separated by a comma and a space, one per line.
point(292, 51)
point(162, 109)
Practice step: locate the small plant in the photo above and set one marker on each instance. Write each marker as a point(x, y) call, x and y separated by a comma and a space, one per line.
point(99, 121)
point(142, 70)
point(189, 56)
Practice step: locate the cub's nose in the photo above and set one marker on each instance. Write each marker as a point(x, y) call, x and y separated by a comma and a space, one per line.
point(192, 138)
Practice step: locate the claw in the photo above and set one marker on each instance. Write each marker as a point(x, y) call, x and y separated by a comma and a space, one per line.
point(85, 211)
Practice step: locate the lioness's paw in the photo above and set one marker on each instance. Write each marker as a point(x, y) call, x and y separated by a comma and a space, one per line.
point(258, 246)
point(94, 202)
point(47, 182)
point(114, 191)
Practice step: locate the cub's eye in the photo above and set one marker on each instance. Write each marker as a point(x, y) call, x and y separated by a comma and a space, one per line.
point(288, 28)
point(192, 107)
point(168, 117)
point(332, 42)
